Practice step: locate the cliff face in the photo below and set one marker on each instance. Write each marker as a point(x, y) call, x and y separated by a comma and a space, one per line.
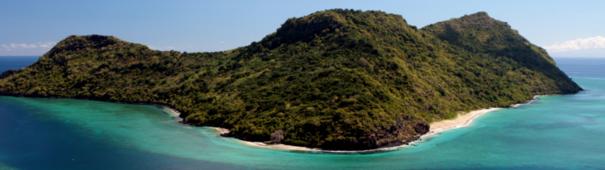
point(335, 79)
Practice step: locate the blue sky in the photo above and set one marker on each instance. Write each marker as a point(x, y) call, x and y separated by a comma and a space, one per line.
point(31, 27)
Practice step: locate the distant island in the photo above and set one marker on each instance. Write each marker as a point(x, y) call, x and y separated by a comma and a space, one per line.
point(335, 79)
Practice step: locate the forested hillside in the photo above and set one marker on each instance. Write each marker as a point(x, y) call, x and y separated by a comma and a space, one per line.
point(335, 79)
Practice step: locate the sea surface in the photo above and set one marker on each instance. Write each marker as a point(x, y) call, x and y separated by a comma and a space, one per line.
point(554, 132)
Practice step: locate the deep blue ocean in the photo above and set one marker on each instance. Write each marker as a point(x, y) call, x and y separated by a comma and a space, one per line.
point(554, 132)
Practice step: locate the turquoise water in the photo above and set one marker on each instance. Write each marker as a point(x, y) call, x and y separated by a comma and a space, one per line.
point(555, 132)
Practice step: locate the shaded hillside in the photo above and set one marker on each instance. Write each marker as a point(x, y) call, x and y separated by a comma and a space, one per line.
point(335, 79)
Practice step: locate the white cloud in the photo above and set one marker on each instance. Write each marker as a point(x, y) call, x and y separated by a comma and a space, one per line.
point(597, 42)
point(25, 48)
point(15, 46)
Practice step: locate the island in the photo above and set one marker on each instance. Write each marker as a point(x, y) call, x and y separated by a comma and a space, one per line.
point(336, 79)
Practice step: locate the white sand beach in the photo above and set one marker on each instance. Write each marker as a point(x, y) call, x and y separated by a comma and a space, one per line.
point(463, 120)
point(173, 113)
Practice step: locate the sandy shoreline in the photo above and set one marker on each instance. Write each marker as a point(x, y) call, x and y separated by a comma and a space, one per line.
point(173, 113)
point(461, 121)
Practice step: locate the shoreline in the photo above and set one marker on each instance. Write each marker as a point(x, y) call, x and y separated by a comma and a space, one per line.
point(462, 120)
point(172, 112)
point(292, 148)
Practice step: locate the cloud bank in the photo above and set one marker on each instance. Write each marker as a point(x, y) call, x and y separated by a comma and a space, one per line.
point(597, 42)
point(25, 48)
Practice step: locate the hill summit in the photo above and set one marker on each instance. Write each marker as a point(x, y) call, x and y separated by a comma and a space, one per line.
point(335, 79)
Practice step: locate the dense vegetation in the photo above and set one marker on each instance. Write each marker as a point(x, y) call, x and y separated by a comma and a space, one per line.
point(335, 79)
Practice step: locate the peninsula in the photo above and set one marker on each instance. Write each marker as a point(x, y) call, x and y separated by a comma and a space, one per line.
point(335, 79)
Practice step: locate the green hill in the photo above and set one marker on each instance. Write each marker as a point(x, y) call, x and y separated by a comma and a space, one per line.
point(335, 79)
